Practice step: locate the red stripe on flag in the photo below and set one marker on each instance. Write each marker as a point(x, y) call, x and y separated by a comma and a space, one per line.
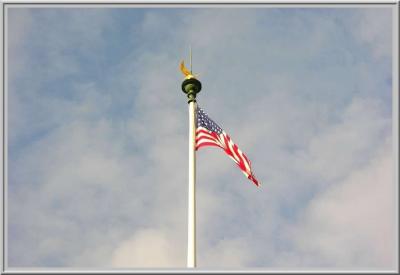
point(207, 144)
point(205, 138)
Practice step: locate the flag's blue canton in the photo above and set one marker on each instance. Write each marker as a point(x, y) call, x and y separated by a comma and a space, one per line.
point(204, 121)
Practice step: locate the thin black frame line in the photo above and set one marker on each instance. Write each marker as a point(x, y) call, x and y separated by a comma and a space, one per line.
point(4, 148)
point(201, 3)
point(398, 117)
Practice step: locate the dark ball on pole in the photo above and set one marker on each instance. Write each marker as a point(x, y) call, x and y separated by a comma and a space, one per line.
point(191, 87)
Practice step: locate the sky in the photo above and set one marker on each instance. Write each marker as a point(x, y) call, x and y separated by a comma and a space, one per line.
point(97, 132)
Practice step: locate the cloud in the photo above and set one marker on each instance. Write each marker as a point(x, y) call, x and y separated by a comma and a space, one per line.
point(374, 28)
point(48, 55)
point(352, 222)
point(342, 147)
point(18, 28)
point(230, 253)
point(147, 248)
point(68, 192)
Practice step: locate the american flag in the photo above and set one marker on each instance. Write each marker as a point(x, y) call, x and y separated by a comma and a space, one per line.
point(208, 133)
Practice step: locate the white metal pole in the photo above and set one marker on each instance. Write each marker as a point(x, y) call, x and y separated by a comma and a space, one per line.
point(191, 252)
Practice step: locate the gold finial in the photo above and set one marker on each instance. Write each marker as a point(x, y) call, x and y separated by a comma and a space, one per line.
point(190, 86)
point(188, 74)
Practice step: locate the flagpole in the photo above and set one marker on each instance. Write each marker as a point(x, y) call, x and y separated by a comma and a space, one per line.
point(191, 248)
point(191, 86)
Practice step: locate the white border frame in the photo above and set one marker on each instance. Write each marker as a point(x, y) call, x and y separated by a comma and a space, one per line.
point(194, 4)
